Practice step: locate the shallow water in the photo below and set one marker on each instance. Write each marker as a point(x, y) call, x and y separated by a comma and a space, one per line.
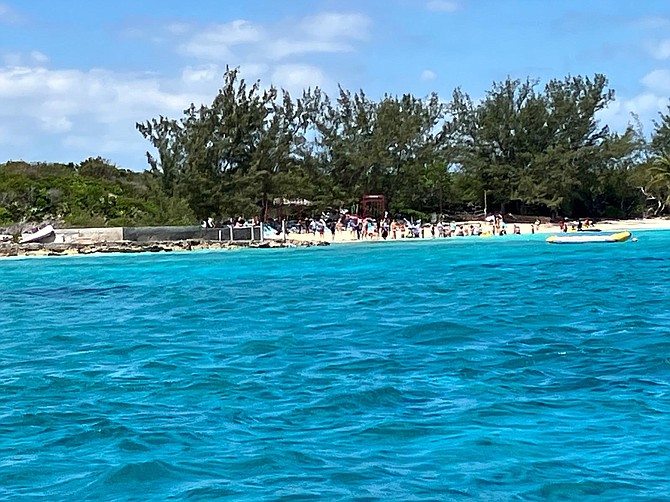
point(439, 370)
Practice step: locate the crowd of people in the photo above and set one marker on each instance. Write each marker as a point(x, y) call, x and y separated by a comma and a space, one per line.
point(353, 227)
point(578, 226)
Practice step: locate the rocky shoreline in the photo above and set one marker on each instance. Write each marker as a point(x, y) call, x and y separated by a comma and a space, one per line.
point(76, 248)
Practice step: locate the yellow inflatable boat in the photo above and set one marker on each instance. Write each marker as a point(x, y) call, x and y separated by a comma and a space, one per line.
point(581, 239)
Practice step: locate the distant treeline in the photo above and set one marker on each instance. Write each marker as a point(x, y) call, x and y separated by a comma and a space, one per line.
point(93, 193)
point(523, 149)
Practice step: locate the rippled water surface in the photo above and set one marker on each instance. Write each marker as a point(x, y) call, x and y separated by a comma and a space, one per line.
point(439, 370)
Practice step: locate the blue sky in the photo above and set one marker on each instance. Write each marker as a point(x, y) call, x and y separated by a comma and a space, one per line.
point(76, 75)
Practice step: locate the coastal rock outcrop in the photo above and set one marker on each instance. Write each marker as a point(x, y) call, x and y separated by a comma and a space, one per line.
point(64, 249)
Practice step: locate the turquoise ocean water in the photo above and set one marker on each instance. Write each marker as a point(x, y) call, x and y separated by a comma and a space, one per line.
point(462, 369)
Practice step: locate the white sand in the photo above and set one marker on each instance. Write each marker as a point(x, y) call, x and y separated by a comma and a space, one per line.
point(545, 228)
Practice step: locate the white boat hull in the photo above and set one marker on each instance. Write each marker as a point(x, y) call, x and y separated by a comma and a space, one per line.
point(46, 234)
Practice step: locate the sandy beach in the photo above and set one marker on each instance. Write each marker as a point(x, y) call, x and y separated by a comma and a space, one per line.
point(346, 236)
point(101, 246)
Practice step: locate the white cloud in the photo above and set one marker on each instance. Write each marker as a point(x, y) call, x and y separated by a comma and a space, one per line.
point(284, 48)
point(216, 43)
point(82, 112)
point(206, 73)
point(234, 33)
point(178, 28)
point(254, 71)
point(427, 75)
point(335, 26)
point(56, 124)
point(19, 59)
point(70, 114)
point(657, 81)
point(443, 6)
point(39, 57)
point(662, 49)
point(297, 77)
point(12, 58)
point(320, 34)
point(645, 106)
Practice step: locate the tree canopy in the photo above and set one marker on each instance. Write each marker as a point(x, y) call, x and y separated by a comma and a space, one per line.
point(531, 149)
point(528, 148)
